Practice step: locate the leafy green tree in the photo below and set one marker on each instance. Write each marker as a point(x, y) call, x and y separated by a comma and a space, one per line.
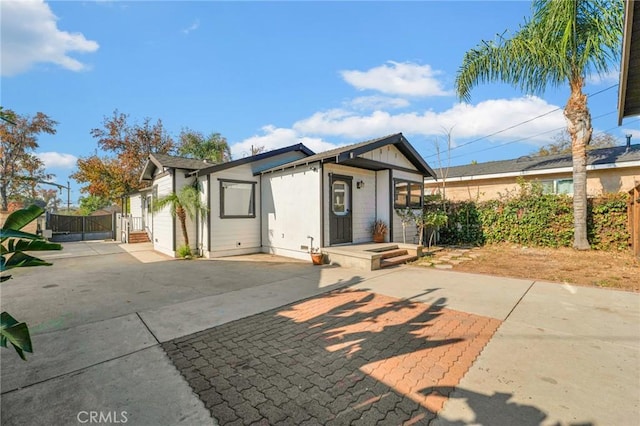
point(20, 169)
point(182, 203)
point(92, 203)
point(15, 245)
point(563, 43)
point(562, 143)
point(195, 145)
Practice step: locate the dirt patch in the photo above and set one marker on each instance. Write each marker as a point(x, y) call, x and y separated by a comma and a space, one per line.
point(619, 270)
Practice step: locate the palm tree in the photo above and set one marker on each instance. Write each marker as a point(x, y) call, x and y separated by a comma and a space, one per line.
point(564, 42)
point(185, 202)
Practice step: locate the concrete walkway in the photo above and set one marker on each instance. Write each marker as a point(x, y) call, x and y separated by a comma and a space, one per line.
point(561, 355)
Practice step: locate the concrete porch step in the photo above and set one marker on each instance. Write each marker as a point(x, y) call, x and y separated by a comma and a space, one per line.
point(397, 260)
point(393, 253)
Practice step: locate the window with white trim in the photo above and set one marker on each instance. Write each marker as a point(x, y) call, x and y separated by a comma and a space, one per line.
point(557, 186)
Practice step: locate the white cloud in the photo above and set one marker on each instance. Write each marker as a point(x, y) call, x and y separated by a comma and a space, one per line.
point(30, 35)
point(57, 160)
point(467, 121)
point(610, 77)
point(277, 137)
point(192, 27)
point(376, 102)
point(398, 78)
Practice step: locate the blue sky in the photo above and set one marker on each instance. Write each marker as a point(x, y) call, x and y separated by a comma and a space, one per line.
point(277, 73)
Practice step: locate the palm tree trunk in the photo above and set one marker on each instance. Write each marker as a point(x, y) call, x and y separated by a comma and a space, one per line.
point(182, 216)
point(579, 126)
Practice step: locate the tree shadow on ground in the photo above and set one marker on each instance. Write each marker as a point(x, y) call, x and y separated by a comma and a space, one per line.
point(345, 357)
point(495, 409)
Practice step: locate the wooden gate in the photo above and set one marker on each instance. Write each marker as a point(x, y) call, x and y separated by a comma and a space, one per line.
point(634, 219)
point(80, 228)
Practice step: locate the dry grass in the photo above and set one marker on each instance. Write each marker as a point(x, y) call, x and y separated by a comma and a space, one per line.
point(619, 270)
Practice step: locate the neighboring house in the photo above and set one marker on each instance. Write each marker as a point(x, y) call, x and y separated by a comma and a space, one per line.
point(629, 90)
point(289, 200)
point(614, 169)
point(332, 198)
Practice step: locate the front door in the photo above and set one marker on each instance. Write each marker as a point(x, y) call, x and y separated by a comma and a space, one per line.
point(340, 216)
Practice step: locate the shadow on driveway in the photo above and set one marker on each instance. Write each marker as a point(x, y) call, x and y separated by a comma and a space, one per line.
point(346, 357)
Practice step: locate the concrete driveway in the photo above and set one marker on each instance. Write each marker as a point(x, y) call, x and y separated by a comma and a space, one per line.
point(560, 355)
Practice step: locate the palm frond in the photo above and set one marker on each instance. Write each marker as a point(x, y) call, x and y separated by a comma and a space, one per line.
point(563, 42)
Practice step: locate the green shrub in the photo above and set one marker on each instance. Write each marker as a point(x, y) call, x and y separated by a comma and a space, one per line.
point(607, 222)
point(464, 225)
point(529, 217)
point(184, 252)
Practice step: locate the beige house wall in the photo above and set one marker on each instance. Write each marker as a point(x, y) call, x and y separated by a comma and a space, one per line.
point(598, 182)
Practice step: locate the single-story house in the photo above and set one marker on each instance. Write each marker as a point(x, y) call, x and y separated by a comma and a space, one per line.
point(332, 198)
point(615, 169)
point(290, 200)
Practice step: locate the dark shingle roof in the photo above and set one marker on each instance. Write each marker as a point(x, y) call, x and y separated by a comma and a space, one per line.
point(160, 161)
point(165, 160)
point(263, 155)
point(602, 156)
point(348, 154)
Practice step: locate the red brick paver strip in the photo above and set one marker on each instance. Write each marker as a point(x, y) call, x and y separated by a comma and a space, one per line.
point(345, 357)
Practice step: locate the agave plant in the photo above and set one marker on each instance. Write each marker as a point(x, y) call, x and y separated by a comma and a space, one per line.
point(14, 245)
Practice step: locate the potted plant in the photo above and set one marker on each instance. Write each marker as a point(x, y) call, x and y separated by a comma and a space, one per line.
point(378, 230)
point(316, 256)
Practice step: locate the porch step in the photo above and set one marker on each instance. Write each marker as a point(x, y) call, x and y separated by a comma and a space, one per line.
point(138, 237)
point(392, 253)
point(397, 260)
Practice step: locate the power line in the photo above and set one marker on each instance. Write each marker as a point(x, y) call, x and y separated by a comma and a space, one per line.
point(540, 134)
point(589, 95)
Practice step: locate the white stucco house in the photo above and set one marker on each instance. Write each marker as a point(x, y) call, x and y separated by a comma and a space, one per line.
point(289, 200)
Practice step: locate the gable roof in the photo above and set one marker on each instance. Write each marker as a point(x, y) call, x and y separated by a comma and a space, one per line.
point(263, 155)
point(629, 90)
point(161, 161)
point(597, 158)
point(349, 155)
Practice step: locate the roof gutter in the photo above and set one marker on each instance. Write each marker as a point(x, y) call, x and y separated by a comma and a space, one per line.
point(591, 167)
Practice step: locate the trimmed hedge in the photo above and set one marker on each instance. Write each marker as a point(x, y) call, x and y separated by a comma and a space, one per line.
point(529, 217)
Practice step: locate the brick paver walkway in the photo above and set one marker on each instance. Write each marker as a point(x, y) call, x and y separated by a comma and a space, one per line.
point(346, 357)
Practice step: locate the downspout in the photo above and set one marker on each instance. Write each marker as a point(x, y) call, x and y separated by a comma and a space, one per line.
point(260, 220)
point(210, 230)
point(322, 207)
point(198, 236)
point(391, 201)
point(173, 189)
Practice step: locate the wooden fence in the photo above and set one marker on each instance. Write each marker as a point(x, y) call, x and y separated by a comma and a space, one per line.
point(80, 228)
